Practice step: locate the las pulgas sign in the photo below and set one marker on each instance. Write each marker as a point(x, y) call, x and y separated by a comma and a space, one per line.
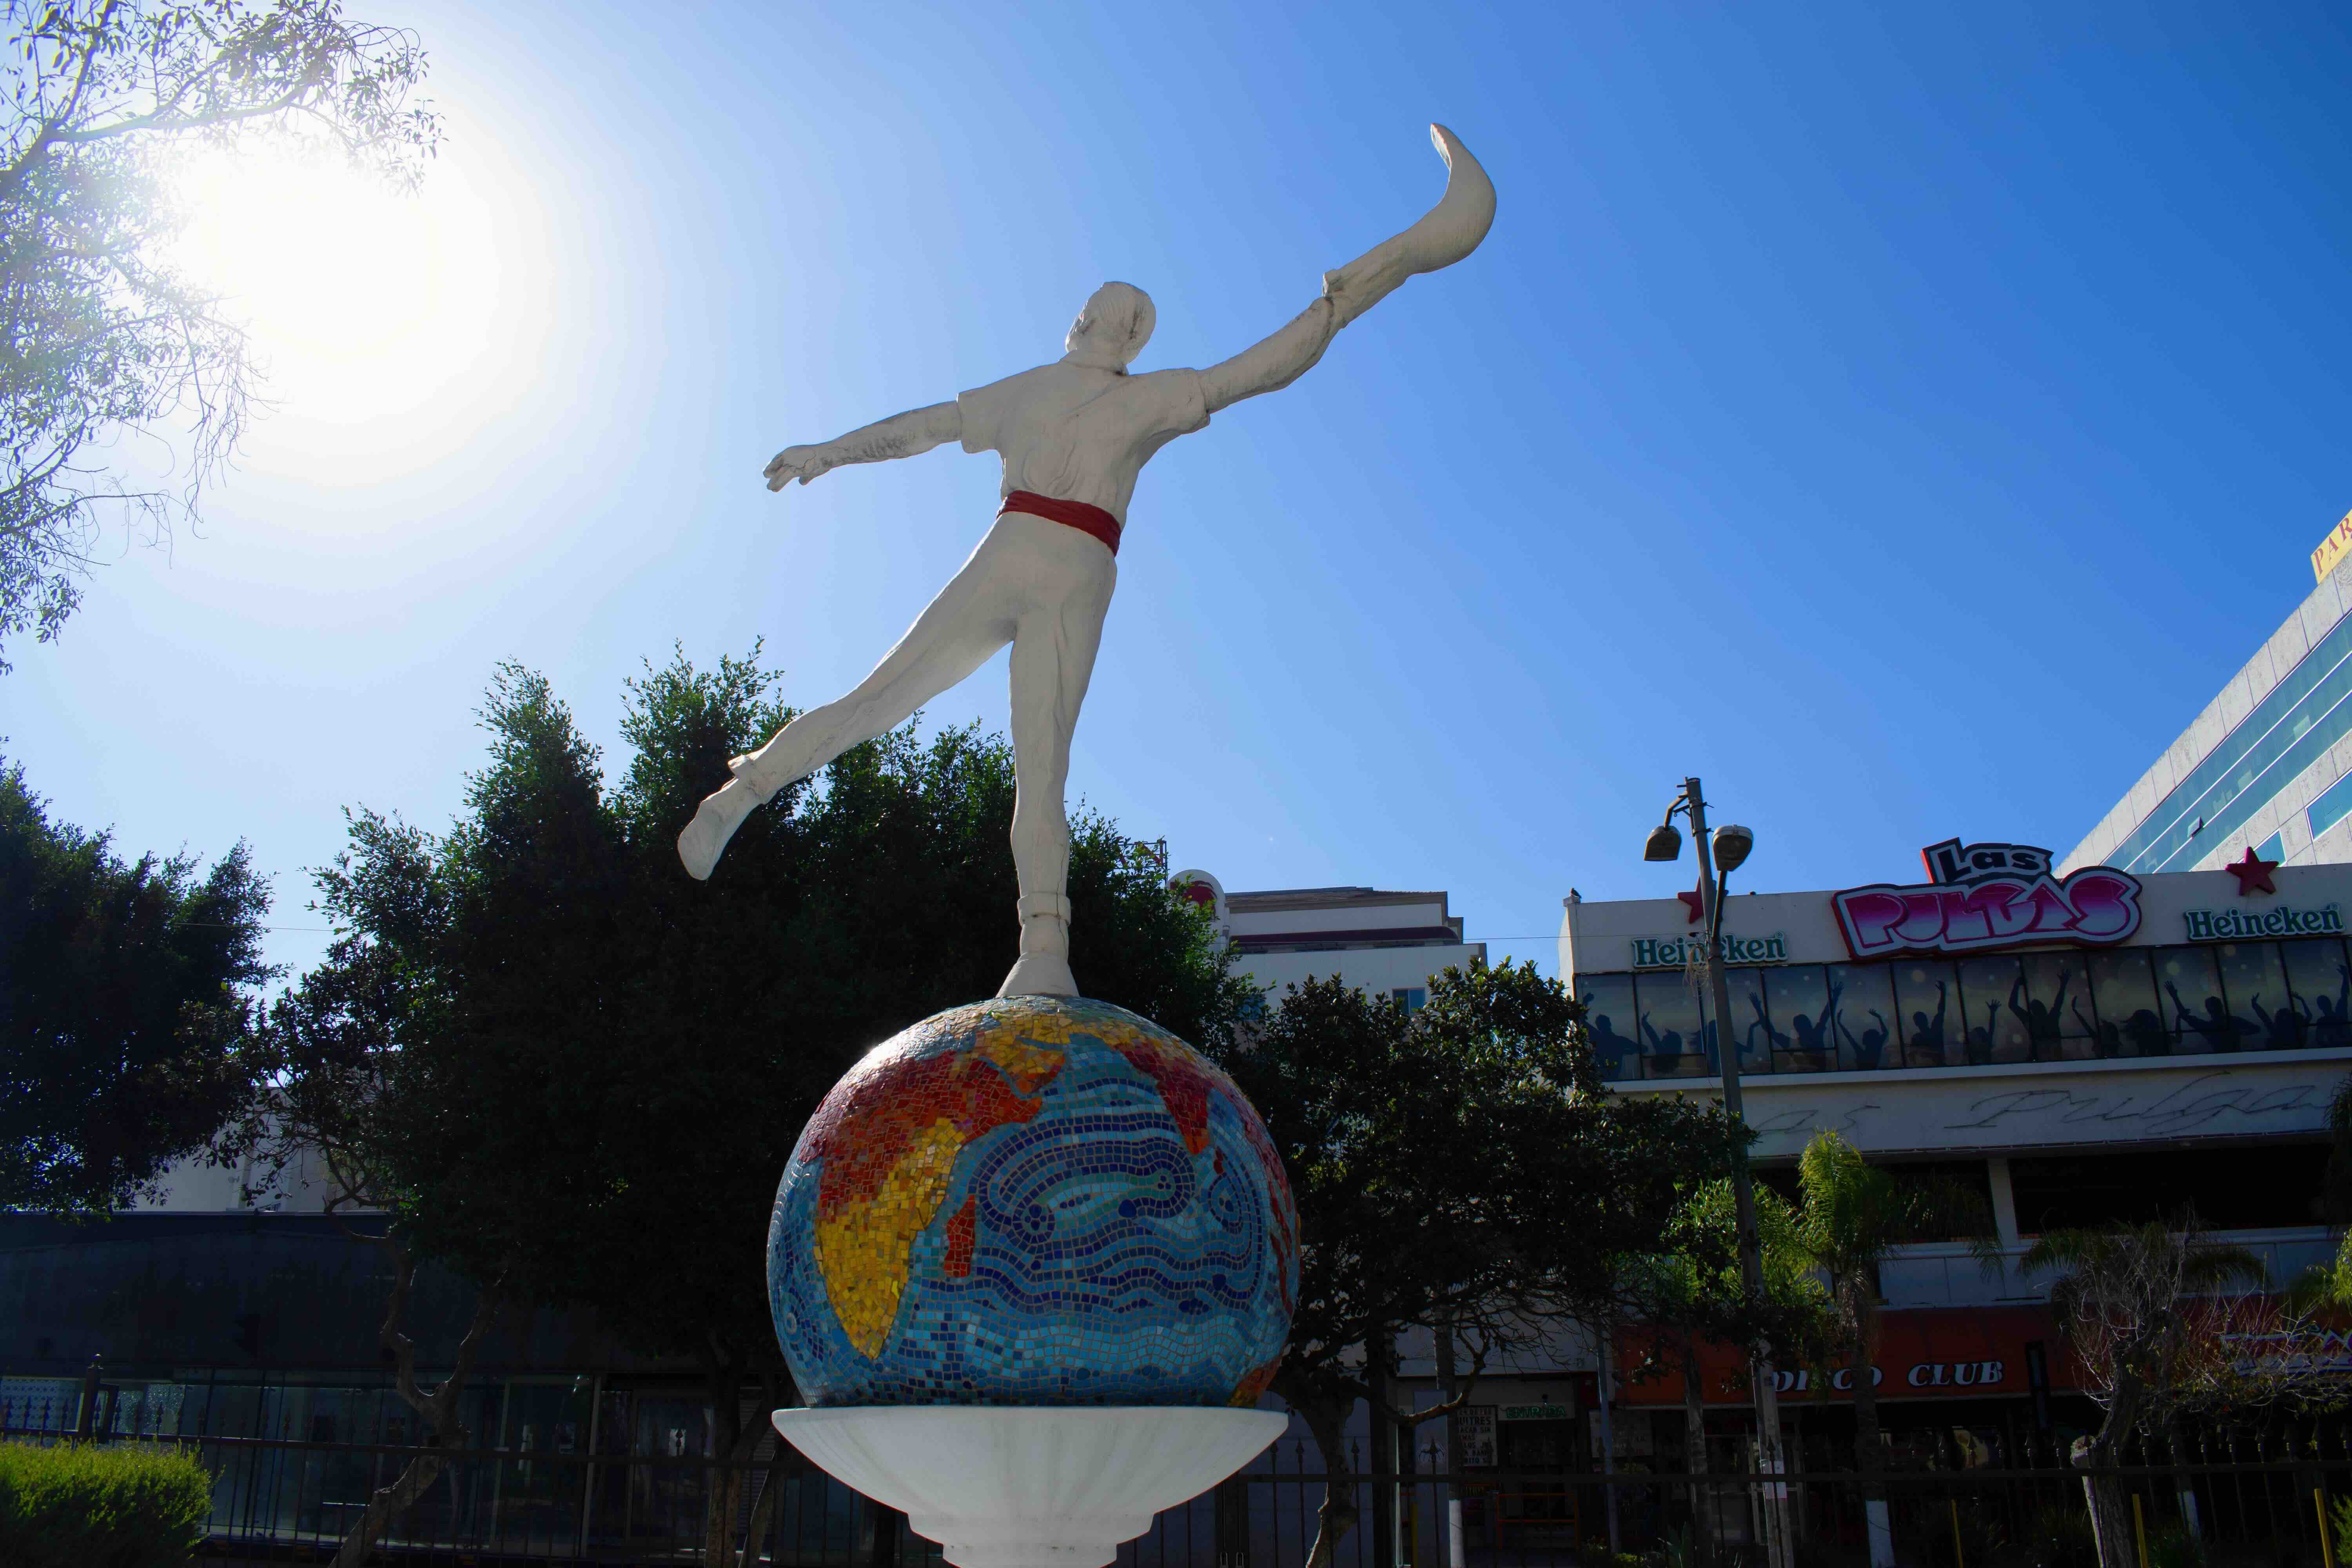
point(1980, 897)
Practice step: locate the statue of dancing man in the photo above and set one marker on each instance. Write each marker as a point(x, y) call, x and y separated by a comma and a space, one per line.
point(1073, 436)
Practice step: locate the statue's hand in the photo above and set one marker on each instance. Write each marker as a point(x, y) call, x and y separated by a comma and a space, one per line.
point(801, 463)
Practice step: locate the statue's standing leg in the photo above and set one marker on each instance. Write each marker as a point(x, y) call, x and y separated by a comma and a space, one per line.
point(1054, 648)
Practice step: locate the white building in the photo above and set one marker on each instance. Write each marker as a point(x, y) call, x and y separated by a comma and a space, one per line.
point(1386, 943)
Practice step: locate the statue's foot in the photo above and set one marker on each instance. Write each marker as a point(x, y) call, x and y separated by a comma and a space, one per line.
point(1039, 975)
point(704, 839)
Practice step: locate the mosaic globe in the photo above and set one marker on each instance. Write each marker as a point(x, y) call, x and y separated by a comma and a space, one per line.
point(1036, 1200)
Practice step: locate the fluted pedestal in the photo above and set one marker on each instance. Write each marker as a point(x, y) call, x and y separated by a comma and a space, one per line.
point(1028, 1485)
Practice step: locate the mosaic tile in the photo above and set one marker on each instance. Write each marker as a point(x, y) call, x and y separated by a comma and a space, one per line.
point(1036, 1200)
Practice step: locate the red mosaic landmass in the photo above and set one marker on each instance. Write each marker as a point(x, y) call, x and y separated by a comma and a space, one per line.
point(1183, 1084)
point(962, 1238)
point(869, 1123)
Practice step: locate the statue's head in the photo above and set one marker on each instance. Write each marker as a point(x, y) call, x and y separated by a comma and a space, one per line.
point(1112, 328)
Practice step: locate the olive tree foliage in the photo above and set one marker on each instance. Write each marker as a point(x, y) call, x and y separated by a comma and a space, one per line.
point(103, 336)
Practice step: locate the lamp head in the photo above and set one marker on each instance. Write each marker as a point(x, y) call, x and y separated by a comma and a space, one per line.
point(1732, 843)
point(1665, 843)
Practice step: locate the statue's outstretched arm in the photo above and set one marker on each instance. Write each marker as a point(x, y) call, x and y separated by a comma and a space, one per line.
point(1445, 234)
point(900, 436)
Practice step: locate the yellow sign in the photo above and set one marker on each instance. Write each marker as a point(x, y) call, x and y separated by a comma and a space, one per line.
point(2332, 549)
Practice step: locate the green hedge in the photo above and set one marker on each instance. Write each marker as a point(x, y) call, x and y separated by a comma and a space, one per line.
point(80, 1506)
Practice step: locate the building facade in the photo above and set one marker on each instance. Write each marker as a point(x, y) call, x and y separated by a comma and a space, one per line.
point(1386, 943)
point(2264, 766)
point(2082, 1049)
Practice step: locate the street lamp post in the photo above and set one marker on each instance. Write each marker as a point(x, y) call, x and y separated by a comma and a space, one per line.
point(1718, 858)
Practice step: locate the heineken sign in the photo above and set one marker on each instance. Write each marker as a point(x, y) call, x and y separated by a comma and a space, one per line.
point(2234, 925)
point(1678, 951)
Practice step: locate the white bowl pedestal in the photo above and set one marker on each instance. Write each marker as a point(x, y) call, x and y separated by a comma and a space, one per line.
point(1029, 1486)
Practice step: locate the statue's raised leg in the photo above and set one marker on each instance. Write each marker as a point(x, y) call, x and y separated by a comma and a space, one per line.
point(955, 635)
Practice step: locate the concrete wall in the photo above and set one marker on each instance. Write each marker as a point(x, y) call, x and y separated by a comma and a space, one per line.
point(1375, 969)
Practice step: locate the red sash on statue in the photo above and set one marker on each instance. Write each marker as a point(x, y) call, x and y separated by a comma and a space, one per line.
point(1074, 514)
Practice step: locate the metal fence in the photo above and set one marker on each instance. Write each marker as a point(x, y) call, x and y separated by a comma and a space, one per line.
point(281, 1500)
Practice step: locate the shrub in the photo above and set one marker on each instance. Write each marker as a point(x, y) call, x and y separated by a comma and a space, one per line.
point(2173, 1546)
point(80, 1506)
point(2058, 1535)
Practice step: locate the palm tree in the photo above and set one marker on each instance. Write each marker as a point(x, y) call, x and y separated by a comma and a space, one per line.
point(2119, 1300)
point(1855, 1214)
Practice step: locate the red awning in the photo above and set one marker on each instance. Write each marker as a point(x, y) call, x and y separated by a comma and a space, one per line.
point(1933, 1353)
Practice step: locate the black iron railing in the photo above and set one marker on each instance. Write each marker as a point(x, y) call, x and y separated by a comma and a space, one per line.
point(283, 1499)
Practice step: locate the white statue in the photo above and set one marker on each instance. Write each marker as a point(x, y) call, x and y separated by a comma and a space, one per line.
point(1074, 435)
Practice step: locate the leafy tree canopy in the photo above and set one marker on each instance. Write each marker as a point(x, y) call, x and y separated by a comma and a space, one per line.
point(1459, 1169)
point(576, 1073)
point(105, 334)
point(1693, 1288)
point(124, 988)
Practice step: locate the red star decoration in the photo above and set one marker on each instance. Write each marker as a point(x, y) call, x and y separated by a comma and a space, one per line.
point(1695, 901)
point(2253, 874)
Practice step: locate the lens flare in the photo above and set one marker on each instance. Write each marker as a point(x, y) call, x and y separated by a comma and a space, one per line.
point(361, 300)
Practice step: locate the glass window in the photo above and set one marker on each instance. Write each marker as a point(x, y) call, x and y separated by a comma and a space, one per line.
point(2195, 1015)
point(1993, 1011)
point(1668, 1014)
point(2057, 1017)
point(2255, 984)
point(2127, 1011)
point(2328, 806)
point(1798, 998)
point(1923, 995)
point(1751, 1026)
point(1609, 1024)
point(1862, 1011)
point(2321, 985)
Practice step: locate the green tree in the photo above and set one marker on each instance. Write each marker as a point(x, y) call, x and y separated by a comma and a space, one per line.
point(2333, 1202)
point(2144, 1307)
point(1854, 1213)
point(1691, 1292)
point(1432, 1157)
point(125, 989)
point(106, 336)
point(604, 1064)
point(329, 1093)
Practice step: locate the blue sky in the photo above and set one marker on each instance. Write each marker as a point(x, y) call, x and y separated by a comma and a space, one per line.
point(1905, 417)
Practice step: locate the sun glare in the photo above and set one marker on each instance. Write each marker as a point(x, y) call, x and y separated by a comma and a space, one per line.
point(360, 300)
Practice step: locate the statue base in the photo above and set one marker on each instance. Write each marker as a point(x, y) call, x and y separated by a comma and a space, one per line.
point(1001, 1486)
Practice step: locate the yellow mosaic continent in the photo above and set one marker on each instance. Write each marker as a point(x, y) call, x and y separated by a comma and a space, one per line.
point(862, 1252)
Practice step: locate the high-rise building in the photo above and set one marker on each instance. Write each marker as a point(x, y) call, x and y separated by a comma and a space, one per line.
point(2267, 766)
